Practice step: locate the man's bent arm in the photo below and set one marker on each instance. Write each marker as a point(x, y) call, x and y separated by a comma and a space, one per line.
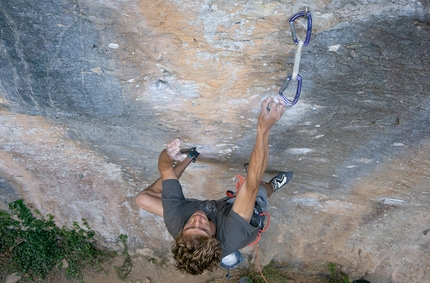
point(168, 157)
point(165, 166)
point(271, 112)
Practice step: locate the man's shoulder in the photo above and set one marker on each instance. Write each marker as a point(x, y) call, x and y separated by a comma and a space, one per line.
point(171, 188)
point(235, 232)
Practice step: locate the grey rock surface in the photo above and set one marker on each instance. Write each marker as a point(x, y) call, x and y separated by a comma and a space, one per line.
point(90, 91)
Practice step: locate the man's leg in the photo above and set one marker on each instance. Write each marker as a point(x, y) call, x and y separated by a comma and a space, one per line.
point(150, 198)
point(268, 187)
point(277, 182)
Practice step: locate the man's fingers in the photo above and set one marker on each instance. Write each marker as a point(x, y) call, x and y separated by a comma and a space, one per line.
point(181, 157)
point(275, 109)
point(280, 107)
point(275, 106)
point(174, 143)
point(265, 105)
point(173, 149)
point(177, 155)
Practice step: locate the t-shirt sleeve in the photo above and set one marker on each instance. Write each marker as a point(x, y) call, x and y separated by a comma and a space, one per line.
point(171, 198)
point(236, 233)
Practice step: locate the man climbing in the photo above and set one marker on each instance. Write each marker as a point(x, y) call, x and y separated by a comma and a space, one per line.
point(207, 231)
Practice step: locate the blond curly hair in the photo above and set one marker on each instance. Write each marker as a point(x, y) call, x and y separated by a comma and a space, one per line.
point(194, 254)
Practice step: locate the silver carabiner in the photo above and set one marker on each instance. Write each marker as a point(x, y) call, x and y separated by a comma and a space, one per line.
point(298, 91)
point(307, 15)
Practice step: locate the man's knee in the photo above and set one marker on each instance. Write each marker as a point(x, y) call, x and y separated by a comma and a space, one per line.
point(142, 200)
point(150, 202)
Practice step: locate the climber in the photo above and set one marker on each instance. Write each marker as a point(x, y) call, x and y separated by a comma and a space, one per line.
point(207, 231)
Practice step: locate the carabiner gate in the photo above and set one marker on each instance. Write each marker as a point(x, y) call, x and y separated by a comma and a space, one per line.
point(307, 15)
point(296, 97)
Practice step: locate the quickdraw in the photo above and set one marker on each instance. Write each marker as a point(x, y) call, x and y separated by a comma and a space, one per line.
point(295, 76)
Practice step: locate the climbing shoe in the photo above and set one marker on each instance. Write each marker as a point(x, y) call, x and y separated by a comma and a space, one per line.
point(192, 153)
point(281, 179)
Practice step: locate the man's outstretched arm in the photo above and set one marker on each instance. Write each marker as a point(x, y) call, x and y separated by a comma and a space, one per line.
point(271, 111)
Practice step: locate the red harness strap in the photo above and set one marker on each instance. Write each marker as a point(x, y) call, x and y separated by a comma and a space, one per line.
point(240, 181)
point(262, 230)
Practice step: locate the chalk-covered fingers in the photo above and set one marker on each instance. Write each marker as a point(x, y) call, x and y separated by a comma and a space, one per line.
point(277, 107)
point(265, 105)
point(173, 150)
point(271, 111)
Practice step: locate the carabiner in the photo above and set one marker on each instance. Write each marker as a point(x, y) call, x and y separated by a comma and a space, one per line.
point(307, 15)
point(230, 194)
point(299, 89)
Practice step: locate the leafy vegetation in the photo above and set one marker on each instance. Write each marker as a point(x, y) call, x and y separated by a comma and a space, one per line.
point(124, 270)
point(32, 246)
point(336, 275)
point(253, 275)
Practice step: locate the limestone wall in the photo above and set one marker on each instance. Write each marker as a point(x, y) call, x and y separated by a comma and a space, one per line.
point(90, 91)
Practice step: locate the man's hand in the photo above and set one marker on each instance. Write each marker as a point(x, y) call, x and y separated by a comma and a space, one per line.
point(271, 111)
point(173, 150)
point(167, 157)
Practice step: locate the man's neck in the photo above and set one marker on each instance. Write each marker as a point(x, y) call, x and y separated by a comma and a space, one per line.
point(213, 228)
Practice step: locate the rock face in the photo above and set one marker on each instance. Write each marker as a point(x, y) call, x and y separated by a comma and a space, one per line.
point(91, 90)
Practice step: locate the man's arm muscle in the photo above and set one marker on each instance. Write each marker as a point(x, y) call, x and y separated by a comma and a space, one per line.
point(271, 112)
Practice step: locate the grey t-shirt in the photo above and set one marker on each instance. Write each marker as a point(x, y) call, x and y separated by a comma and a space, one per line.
point(231, 230)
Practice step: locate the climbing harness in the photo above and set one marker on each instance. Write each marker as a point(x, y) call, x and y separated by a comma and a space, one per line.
point(259, 216)
point(262, 228)
point(300, 44)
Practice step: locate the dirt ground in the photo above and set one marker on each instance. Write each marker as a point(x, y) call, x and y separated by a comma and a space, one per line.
point(146, 271)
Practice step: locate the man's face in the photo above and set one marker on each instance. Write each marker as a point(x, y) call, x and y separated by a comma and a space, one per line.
point(199, 224)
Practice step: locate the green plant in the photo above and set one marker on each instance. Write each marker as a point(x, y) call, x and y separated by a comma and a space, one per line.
point(124, 270)
point(34, 246)
point(253, 275)
point(152, 260)
point(336, 275)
